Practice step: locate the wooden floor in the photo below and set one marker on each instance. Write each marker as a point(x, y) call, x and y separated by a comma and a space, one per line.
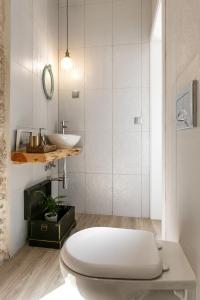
point(34, 272)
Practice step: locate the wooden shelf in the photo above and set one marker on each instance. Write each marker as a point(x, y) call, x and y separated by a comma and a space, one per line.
point(24, 157)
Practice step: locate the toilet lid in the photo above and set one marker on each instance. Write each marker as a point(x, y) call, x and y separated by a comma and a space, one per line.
point(104, 252)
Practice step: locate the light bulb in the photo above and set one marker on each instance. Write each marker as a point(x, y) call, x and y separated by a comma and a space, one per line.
point(66, 62)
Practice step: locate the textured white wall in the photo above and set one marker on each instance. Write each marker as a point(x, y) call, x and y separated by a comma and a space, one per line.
point(34, 43)
point(109, 43)
point(183, 147)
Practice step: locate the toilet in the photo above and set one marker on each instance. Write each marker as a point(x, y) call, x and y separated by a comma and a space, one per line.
point(103, 263)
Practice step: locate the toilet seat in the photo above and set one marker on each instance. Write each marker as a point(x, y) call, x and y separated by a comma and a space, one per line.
point(113, 253)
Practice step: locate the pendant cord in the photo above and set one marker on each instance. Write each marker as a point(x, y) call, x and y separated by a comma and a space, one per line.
point(67, 16)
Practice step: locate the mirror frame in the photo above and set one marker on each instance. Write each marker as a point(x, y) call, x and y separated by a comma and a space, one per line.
point(49, 95)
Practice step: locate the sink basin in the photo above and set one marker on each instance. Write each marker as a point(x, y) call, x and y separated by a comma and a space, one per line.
point(64, 140)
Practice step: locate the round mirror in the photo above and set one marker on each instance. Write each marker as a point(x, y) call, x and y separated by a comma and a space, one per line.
point(48, 82)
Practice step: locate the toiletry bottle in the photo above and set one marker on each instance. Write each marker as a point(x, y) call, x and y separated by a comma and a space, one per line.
point(30, 139)
point(42, 141)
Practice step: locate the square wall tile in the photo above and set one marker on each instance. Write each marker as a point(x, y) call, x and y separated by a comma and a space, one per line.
point(52, 115)
point(52, 11)
point(52, 106)
point(72, 110)
point(54, 187)
point(75, 195)
point(145, 109)
point(21, 93)
point(98, 152)
point(25, 179)
point(39, 173)
point(22, 33)
point(127, 66)
point(127, 195)
point(40, 17)
point(145, 152)
point(63, 3)
point(39, 104)
point(127, 152)
point(145, 65)
point(126, 106)
point(39, 52)
point(72, 79)
point(145, 196)
point(98, 64)
point(98, 24)
point(126, 21)
point(97, 1)
point(146, 20)
point(54, 172)
point(98, 110)
point(76, 27)
point(76, 164)
point(99, 194)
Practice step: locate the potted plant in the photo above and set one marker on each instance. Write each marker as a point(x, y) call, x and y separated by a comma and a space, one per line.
point(51, 206)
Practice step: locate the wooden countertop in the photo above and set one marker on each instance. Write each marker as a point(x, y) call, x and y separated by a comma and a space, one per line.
point(24, 157)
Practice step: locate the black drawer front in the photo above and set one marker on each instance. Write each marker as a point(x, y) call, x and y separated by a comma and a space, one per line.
point(43, 230)
point(48, 231)
point(52, 244)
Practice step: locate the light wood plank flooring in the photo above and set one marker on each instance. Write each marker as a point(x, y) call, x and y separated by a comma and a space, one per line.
point(34, 272)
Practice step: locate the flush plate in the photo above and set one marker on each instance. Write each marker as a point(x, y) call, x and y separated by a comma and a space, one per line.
point(75, 94)
point(137, 120)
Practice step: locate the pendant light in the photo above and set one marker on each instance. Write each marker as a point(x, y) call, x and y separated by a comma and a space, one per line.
point(66, 62)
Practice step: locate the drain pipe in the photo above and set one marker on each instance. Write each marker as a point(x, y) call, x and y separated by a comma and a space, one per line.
point(65, 178)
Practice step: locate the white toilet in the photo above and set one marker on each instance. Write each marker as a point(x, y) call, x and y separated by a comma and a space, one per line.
point(104, 263)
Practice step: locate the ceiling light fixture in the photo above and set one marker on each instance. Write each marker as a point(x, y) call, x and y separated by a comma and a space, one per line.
point(66, 62)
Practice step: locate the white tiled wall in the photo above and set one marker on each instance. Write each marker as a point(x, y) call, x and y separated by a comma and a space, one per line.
point(34, 43)
point(127, 195)
point(109, 44)
point(98, 194)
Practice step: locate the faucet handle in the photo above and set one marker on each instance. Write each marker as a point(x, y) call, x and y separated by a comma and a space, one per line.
point(63, 126)
point(63, 122)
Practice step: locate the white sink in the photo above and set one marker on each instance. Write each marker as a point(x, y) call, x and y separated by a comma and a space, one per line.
point(64, 140)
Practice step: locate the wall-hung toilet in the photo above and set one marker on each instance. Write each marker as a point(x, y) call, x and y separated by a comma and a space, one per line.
point(123, 264)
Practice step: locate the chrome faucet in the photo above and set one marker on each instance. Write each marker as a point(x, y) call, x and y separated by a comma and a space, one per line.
point(63, 126)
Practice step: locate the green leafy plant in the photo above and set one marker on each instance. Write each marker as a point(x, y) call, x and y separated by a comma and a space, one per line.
point(51, 204)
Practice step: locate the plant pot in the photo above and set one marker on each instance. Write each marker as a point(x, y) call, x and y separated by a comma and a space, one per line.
point(51, 217)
